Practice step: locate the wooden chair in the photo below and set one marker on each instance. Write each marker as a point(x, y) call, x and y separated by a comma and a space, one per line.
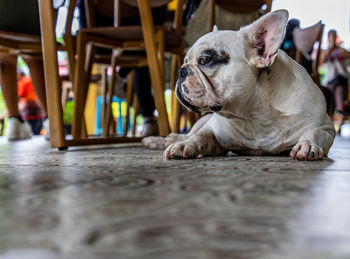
point(50, 47)
point(30, 46)
point(107, 9)
point(304, 41)
point(122, 38)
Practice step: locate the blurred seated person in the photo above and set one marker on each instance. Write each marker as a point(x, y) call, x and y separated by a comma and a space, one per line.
point(336, 75)
point(29, 108)
point(142, 82)
point(20, 16)
point(288, 45)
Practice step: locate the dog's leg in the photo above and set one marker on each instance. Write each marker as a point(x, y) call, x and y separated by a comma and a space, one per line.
point(202, 143)
point(164, 142)
point(313, 145)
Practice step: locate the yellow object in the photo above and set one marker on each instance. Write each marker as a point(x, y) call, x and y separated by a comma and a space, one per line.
point(90, 108)
point(172, 5)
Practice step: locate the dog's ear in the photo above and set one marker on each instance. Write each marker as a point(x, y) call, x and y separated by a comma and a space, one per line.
point(215, 28)
point(264, 37)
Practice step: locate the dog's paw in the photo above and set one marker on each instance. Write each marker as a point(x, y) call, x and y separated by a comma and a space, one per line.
point(173, 138)
point(154, 142)
point(307, 151)
point(182, 150)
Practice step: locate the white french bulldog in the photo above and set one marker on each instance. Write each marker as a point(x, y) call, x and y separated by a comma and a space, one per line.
point(263, 102)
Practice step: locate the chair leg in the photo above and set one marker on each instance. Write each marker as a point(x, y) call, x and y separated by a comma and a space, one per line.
point(52, 80)
point(112, 123)
point(129, 95)
point(110, 97)
point(90, 53)
point(79, 84)
point(104, 95)
point(160, 53)
point(64, 96)
point(136, 107)
point(177, 107)
point(154, 66)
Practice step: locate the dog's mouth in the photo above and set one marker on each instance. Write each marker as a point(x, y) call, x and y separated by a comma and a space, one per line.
point(184, 102)
point(196, 109)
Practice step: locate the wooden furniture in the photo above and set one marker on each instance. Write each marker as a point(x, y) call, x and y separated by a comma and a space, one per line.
point(49, 46)
point(121, 38)
point(112, 10)
point(30, 46)
point(239, 6)
point(304, 41)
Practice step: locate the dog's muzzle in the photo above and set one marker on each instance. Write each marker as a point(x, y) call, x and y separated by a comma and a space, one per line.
point(183, 101)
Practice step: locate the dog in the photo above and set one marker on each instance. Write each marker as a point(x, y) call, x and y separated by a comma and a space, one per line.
point(262, 102)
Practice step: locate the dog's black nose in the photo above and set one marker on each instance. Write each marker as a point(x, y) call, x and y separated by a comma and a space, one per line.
point(215, 108)
point(183, 72)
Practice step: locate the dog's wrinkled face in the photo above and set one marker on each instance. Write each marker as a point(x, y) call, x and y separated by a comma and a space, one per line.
point(221, 69)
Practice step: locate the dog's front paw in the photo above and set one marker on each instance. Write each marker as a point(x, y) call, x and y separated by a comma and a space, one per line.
point(182, 150)
point(307, 151)
point(154, 142)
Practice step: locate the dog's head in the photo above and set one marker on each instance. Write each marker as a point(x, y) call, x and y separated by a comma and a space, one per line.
point(221, 68)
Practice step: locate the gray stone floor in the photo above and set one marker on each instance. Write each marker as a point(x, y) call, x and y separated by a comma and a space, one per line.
point(123, 201)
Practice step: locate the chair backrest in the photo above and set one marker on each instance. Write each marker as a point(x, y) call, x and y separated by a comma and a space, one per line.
point(239, 6)
point(304, 41)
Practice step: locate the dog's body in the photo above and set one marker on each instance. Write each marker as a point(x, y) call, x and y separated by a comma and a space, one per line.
point(264, 102)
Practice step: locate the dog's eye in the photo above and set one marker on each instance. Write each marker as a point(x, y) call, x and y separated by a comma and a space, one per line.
point(205, 60)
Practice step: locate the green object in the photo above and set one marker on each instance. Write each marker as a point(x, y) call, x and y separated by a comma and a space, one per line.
point(68, 113)
point(2, 104)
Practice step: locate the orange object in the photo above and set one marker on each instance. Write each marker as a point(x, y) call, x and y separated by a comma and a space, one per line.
point(28, 103)
point(26, 90)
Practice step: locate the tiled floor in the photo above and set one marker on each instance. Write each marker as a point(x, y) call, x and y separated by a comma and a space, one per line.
point(128, 202)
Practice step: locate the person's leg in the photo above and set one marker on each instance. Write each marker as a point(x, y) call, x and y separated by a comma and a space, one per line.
point(37, 73)
point(36, 126)
point(8, 81)
point(16, 128)
point(339, 97)
point(143, 89)
point(339, 107)
point(124, 71)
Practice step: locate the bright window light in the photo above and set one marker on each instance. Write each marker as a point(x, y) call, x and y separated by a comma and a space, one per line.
point(333, 13)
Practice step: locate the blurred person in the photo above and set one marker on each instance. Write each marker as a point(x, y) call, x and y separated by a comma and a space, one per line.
point(336, 75)
point(20, 16)
point(29, 108)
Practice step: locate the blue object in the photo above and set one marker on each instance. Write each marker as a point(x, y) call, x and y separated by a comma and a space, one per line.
point(98, 126)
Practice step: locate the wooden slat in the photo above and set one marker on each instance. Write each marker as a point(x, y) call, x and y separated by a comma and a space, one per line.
point(100, 141)
point(52, 80)
point(154, 68)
